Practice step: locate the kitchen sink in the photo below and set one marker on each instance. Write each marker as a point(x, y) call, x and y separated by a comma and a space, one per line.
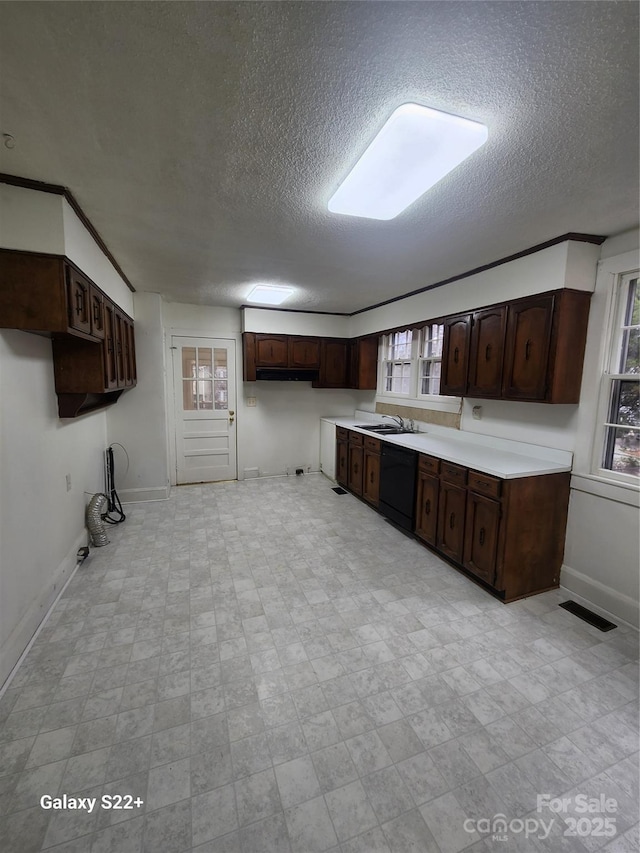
point(383, 429)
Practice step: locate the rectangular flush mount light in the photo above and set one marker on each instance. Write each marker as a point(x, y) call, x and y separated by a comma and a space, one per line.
point(269, 294)
point(414, 149)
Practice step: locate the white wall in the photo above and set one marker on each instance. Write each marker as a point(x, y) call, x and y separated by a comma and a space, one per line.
point(283, 429)
point(138, 422)
point(602, 550)
point(31, 221)
point(82, 249)
point(567, 264)
point(295, 323)
point(41, 524)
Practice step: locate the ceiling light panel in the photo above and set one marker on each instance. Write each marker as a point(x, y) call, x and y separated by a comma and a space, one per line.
point(269, 294)
point(415, 149)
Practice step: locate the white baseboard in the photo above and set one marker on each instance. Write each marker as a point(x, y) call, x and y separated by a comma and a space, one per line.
point(613, 605)
point(156, 493)
point(38, 612)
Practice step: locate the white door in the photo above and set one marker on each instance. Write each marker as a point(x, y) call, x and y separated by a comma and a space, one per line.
point(204, 382)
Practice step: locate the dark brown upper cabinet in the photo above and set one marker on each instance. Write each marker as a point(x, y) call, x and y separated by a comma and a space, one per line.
point(334, 364)
point(486, 353)
point(530, 349)
point(272, 351)
point(455, 355)
point(528, 344)
point(363, 363)
point(304, 353)
point(47, 294)
point(339, 362)
point(92, 338)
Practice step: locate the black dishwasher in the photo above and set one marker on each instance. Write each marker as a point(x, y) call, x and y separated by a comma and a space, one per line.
point(398, 484)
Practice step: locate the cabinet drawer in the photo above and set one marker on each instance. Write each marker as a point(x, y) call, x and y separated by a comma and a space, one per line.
point(372, 444)
point(453, 473)
point(342, 433)
point(356, 438)
point(428, 463)
point(483, 484)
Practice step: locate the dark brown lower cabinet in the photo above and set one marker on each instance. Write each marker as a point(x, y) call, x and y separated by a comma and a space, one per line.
point(481, 537)
point(356, 465)
point(507, 533)
point(427, 507)
point(342, 458)
point(371, 471)
point(452, 502)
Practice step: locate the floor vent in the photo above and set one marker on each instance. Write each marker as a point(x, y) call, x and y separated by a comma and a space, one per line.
point(588, 616)
point(338, 490)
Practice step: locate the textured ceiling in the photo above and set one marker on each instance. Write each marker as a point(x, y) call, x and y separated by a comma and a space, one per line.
point(204, 139)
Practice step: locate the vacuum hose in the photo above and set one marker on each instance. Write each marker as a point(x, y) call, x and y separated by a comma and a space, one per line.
point(94, 520)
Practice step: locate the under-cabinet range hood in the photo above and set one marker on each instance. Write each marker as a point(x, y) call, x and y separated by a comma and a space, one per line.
point(273, 374)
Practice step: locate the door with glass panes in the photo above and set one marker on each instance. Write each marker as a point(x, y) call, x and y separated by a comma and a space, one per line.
point(204, 394)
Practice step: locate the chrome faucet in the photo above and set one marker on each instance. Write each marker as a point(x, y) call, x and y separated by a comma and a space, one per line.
point(399, 420)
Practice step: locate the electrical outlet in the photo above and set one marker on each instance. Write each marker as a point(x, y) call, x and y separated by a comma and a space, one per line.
point(251, 402)
point(68, 479)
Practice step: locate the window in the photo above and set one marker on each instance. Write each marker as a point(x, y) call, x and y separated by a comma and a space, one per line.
point(621, 428)
point(411, 362)
point(430, 360)
point(397, 362)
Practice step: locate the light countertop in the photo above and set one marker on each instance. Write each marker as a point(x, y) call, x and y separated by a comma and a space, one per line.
point(499, 457)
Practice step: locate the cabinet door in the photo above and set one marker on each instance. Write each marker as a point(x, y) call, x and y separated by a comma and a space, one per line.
point(455, 355)
point(78, 302)
point(355, 468)
point(481, 536)
point(119, 339)
point(128, 353)
point(451, 510)
point(427, 507)
point(109, 344)
point(333, 363)
point(486, 354)
point(342, 462)
point(371, 477)
point(96, 310)
point(363, 364)
point(304, 352)
point(527, 348)
point(272, 351)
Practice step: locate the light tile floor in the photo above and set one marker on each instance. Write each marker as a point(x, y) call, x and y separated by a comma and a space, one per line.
point(274, 668)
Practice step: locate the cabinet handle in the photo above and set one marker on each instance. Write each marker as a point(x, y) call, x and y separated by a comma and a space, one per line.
point(452, 520)
point(481, 537)
point(119, 345)
point(96, 313)
point(456, 354)
point(109, 345)
point(527, 350)
point(487, 353)
point(427, 507)
point(79, 302)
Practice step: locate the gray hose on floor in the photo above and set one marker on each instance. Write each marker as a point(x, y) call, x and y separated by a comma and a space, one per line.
point(94, 520)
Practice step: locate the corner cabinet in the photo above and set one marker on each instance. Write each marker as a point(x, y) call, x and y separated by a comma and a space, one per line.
point(93, 340)
point(528, 349)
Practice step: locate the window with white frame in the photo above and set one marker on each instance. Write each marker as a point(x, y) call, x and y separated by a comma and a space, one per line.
point(621, 428)
point(430, 359)
point(398, 362)
point(411, 362)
